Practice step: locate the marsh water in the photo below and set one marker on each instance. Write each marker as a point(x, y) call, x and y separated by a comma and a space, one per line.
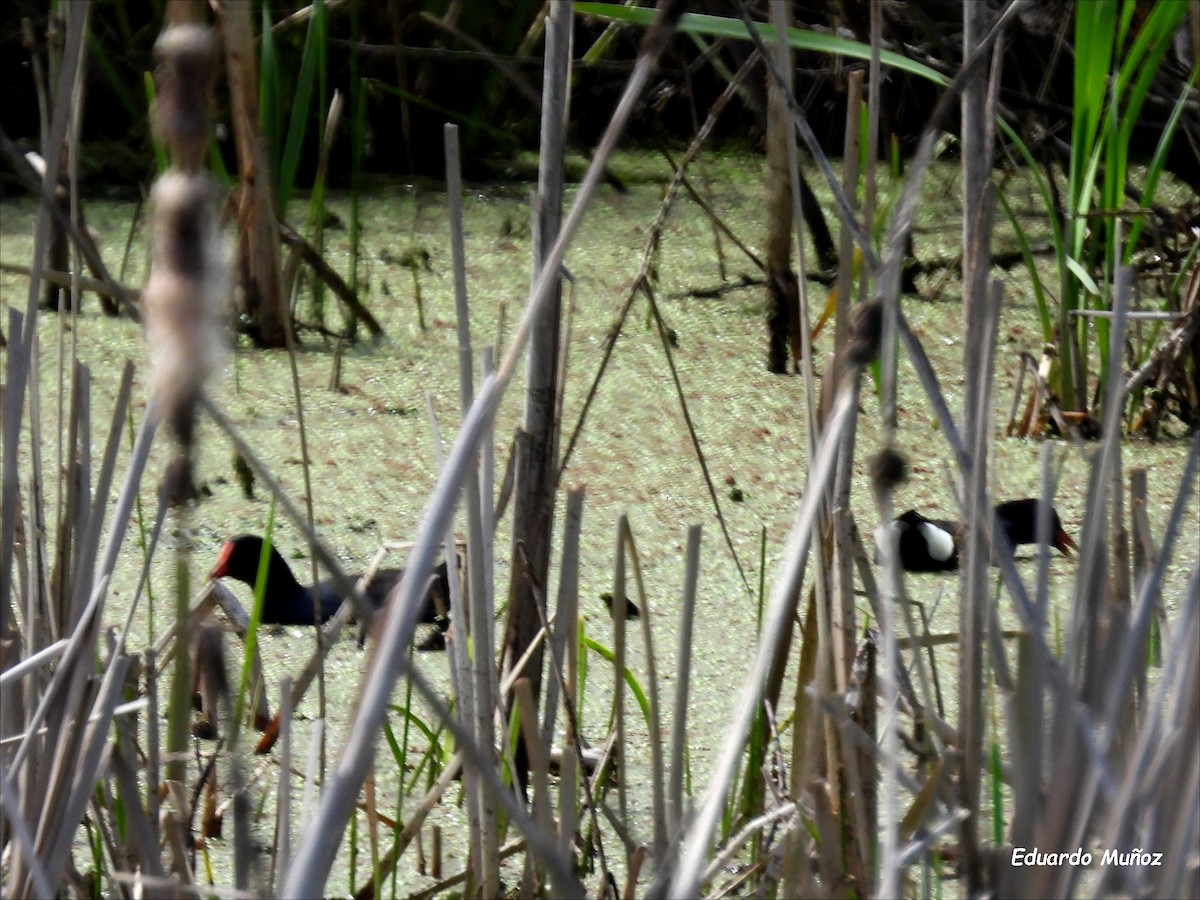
point(371, 445)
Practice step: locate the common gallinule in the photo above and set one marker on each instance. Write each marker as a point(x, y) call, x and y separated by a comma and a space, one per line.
point(1020, 520)
point(287, 602)
point(931, 545)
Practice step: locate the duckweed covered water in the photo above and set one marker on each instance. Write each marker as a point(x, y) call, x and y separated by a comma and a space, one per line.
point(370, 443)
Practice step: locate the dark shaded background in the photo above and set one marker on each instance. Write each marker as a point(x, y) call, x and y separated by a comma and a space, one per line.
point(499, 120)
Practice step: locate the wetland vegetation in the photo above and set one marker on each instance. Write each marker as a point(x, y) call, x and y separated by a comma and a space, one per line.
point(673, 421)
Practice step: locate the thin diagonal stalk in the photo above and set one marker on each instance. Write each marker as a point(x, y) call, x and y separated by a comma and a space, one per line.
point(619, 661)
point(283, 796)
point(1080, 810)
point(566, 616)
point(84, 628)
point(482, 830)
point(478, 572)
point(1079, 716)
point(22, 839)
point(289, 337)
point(21, 333)
point(651, 245)
point(691, 575)
point(88, 762)
point(832, 666)
point(665, 340)
point(784, 590)
point(318, 845)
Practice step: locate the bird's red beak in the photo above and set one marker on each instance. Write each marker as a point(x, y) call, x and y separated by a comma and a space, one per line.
point(221, 568)
point(1065, 543)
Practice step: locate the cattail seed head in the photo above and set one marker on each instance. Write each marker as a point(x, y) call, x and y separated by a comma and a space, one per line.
point(866, 331)
point(888, 469)
point(183, 81)
point(185, 295)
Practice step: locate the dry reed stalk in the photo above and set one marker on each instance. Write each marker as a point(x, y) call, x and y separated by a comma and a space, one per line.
point(835, 633)
point(1026, 727)
point(21, 329)
point(283, 791)
point(657, 775)
point(74, 664)
point(784, 589)
point(1075, 795)
point(482, 831)
point(751, 829)
point(980, 320)
point(843, 624)
point(537, 754)
point(533, 510)
point(317, 852)
point(114, 294)
point(575, 764)
point(452, 770)
point(642, 278)
point(258, 234)
point(477, 617)
point(566, 624)
point(54, 842)
point(490, 514)
point(1160, 785)
point(683, 662)
point(438, 890)
point(618, 701)
point(140, 826)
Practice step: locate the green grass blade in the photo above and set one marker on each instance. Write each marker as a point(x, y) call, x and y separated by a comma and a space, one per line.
point(1159, 161)
point(251, 643)
point(160, 152)
point(430, 733)
point(1035, 280)
point(1043, 186)
point(1141, 62)
point(797, 38)
point(1082, 275)
point(270, 106)
point(630, 679)
point(302, 109)
point(1095, 29)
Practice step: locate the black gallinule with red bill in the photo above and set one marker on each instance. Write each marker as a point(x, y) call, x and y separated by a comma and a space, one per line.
point(932, 545)
point(287, 602)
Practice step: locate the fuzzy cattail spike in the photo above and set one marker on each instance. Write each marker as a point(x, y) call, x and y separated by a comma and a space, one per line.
point(185, 296)
point(183, 82)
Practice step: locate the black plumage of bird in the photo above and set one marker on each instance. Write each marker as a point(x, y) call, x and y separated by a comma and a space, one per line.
point(287, 602)
point(932, 545)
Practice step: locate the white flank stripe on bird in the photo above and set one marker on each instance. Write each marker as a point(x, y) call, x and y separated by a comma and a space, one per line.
point(940, 541)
